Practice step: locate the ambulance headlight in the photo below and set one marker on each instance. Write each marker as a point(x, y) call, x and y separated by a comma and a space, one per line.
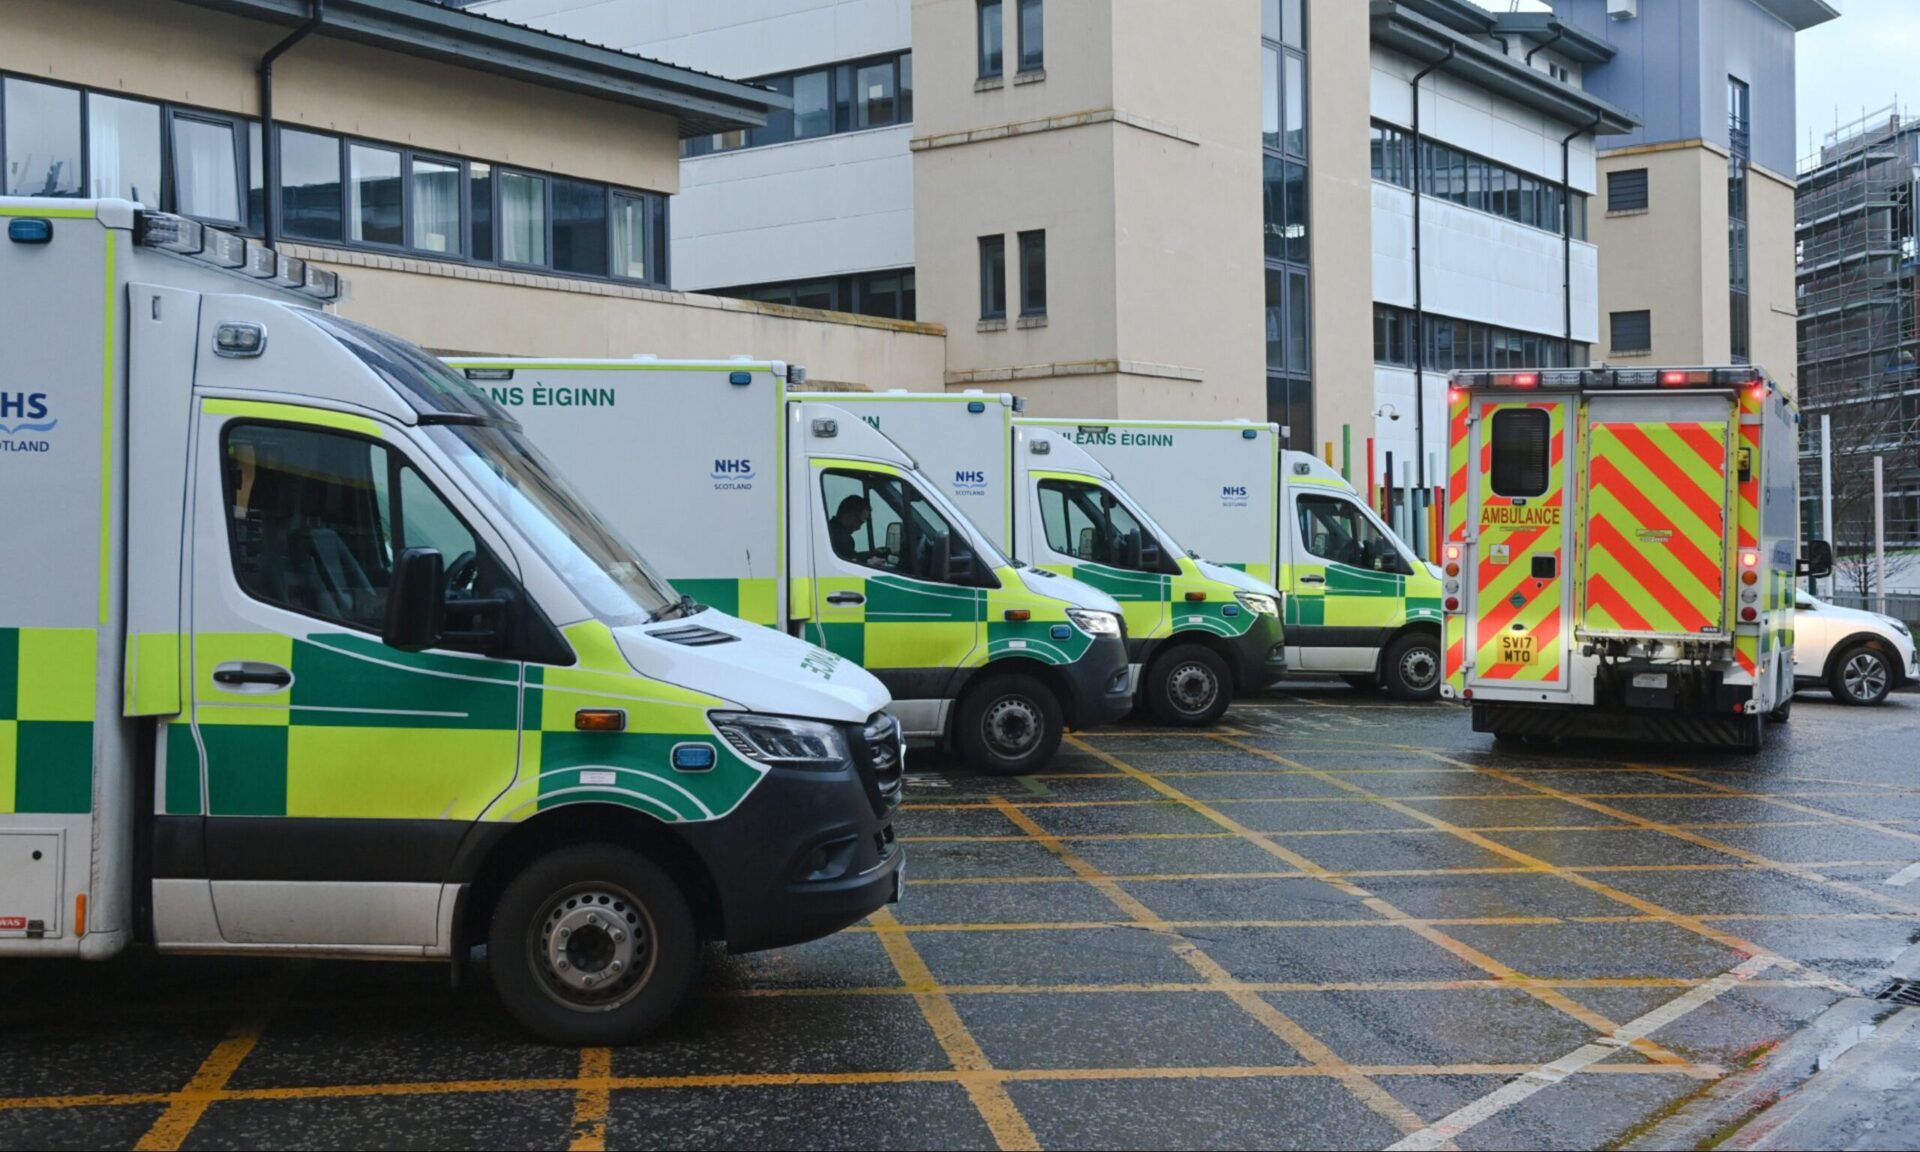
point(782, 741)
point(1258, 603)
point(1094, 623)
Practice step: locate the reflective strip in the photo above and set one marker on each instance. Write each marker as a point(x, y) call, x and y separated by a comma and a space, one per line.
point(1538, 612)
point(49, 212)
point(1656, 559)
point(295, 414)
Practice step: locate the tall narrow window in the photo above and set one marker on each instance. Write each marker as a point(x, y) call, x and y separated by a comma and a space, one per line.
point(1270, 97)
point(123, 149)
point(256, 179)
point(874, 101)
point(993, 277)
point(206, 169)
point(906, 88)
point(42, 135)
point(480, 197)
point(580, 227)
point(523, 218)
point(812, 105)
point(374, 199)
point(992, 60)
point(436, 205)
point(1296, 105)
point(309, 186)
point(630, 237)
point(1033, 273)
point(1033, 45)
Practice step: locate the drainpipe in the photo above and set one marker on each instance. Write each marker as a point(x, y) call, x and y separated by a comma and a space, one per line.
point(269, 140)
point(1419, 294)
point(1559, 33)
point(1566, 235)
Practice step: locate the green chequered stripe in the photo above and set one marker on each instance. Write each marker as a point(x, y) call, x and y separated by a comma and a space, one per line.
point(751, 599)
point(46, 719)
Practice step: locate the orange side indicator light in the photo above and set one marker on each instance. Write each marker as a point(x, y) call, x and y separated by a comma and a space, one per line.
point(1018, 615)
point(1196, 595)
point(80, 915)
point(600, 720)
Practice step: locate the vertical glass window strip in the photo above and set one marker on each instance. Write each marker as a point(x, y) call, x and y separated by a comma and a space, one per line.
point(874, 99)
point(309, 185)
point(374, 197)
point(993, 277)
point(779, 126)
point(1292, 24)
point(42, 134)
point(992, 62)
point(1270, 97)
point(1298, 328)
point(812, 105)
point(1296, 105)
point(523, 218)
point(843, 98)
point(1276, 319)
point(580, 227)
point(906, 88)
point(1033, 48)
point(206, 169)
point(1033, 273)
point(123, 149)
point(256, 179)
point(1295, 228)
point(1274, 222)
point(436, 206)
point(629, 237)
point(658, 250)
point(480, 200)
point(1270, 19)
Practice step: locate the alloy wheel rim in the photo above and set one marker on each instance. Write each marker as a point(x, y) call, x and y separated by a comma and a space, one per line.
point(1865, 676)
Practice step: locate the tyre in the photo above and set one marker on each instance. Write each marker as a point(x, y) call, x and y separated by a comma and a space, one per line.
point(1411, 667)
point(1008, 725)
point(1188, 686)
point(591, 945)
point(1753, 733)
point(1861, 675)
point(1781, 714)
point(1362, 681)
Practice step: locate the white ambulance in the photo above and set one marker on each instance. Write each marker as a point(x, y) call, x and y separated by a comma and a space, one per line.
point(794, 513)
point(1359, 603)
point(1197, 632)
point(304, 649)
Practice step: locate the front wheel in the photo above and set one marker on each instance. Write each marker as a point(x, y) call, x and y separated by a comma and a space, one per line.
point(592, 945)
point(1189, 686)
point(1861, 675)
point(1411, 667)
point(1009, 725)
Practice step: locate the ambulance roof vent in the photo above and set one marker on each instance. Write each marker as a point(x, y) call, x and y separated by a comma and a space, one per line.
point(190, 238)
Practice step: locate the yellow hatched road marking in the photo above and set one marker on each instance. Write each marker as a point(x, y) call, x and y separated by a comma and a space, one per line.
point(990, 1098)
point(1218, 978)
point(185, 1107)
point(593, 1101)
point(1790, 805)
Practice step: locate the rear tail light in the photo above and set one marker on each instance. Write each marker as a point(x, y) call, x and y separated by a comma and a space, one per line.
point(1453, 604)
point(1749, 614)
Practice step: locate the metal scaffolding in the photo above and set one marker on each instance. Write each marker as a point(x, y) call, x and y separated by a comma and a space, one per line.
point(1855, 279)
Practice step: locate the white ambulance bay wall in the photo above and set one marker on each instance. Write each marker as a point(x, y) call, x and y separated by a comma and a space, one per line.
point(795, 211)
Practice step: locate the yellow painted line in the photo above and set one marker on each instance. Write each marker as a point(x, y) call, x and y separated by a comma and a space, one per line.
point(1103, 836)
point(1103, 925)
point(592, 1101)
point(1010, 1129)
point(1353, 986)
point(1791, 805)
point(1212, 973)
point(185, 1107)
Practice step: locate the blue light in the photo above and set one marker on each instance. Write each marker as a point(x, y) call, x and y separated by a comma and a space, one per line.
point(1230, 610)
point(693, 757)
point(1248, 434)
point(1060, 632)
point(29, 231)
point(976, 406)
point(740, 378)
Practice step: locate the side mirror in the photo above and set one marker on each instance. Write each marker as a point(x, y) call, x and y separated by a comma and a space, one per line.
point(893, 537)
point(1817, 560)
point(960, 565)
point(416, 601)
point(1086, 544)
point(1148, 552)
point(940, 556)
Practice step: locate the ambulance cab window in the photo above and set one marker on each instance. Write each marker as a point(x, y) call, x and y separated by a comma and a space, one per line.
point(316, 517)
point(1340, 532)
point(1086, 522)
point(1521, 440)
point(881, 521)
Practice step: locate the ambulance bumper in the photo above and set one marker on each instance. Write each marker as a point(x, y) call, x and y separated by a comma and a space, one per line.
point(1099, 684)
point(808, 853)
point(1260, 654)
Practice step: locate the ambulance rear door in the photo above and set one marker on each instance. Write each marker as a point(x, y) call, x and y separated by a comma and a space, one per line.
point(1520, 529)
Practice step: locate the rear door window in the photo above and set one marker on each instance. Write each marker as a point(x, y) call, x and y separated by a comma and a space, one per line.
point(1521, 440)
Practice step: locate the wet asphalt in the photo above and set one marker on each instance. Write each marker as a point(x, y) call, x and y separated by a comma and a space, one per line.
point(1331, 921)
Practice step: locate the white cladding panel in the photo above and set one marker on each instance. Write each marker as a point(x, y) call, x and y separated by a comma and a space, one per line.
point(681, 462)
point(794, 211)
point(1473, 119)
point(1212, 488)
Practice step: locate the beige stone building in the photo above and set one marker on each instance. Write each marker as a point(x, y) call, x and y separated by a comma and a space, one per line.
point(484, 188)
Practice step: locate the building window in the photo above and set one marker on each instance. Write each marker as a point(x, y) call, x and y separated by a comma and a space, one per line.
point(579, 227)
point(523, 218)
point(436, 205)
point(993, 277)
point(1270, 98)
point(1631, 331)
point(1627, 190)
point(1739, 152)
point(309, 185)
point(812, 105)
point(1466, 345)
point(874, 99)
point(1296, 105)
point(888, 294)
point(41, 130)
point(1033, 44)
point(987, 17)
point(1476, 182)
point(1285, 215)
point(630, 236)
point(123, 149)
point(1033, 273)
point(1392, 155)
point(480, 196)
point(874, 92)
point(373, 201)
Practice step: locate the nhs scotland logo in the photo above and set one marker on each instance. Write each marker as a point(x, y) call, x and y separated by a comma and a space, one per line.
point(733, 473)
point(24, 416)
point(1233, 495)
point(969, 482)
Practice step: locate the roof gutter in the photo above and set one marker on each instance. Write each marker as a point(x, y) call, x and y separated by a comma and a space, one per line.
point(269, 139)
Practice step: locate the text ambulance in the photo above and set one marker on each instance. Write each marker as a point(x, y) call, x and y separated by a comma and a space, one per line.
point(795, 514)
point(1196, 632)
point(305, 649)
point(1358, 601)
point(1620, 554)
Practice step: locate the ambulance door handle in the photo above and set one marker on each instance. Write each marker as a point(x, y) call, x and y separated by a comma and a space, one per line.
point(845, 598)
point(1313, 579)
point(251, 673)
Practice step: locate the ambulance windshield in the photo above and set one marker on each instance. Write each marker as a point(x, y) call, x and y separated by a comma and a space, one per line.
point(428, 386)
point(613, 580)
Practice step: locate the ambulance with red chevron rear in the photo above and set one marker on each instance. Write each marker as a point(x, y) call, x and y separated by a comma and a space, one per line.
point(1621, 552)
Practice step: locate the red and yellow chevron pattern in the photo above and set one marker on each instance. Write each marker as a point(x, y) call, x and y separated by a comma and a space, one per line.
point(1656, 527)
point(1459, 405)
point(1517, 629)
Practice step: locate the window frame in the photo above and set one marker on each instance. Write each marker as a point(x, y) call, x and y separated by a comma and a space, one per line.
point(996, 242)
point(1031, 242)
point(85, 154)
point(1613, 325)
point(1624, 176)
point(1021, 66)
point(980, 8)
point(163, 134)
point(1506, 415)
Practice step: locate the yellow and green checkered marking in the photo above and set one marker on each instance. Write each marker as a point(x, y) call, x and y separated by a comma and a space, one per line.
point(46, 719)
point(913, 624)
point(1155, 605)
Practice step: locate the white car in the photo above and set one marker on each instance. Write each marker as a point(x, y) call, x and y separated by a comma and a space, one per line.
point(1858, 656)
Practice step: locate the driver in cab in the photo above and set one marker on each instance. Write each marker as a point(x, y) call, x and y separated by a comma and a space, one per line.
point(850, 517)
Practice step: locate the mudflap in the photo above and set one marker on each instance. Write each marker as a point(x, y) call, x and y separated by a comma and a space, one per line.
point(1736, 730)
